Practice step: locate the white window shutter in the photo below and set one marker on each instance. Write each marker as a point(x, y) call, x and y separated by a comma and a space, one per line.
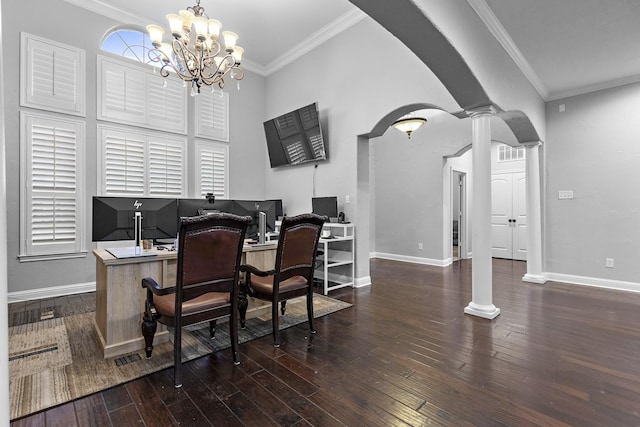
point(212, 172)
point(140, 163)
point(52, 151)
point(167, 104)
point(165, 168)
point(123, 167)
point(122, 93)
point(212, 115)
point(52, 76)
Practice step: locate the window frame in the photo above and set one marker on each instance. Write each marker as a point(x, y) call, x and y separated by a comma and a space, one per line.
point(30, 251)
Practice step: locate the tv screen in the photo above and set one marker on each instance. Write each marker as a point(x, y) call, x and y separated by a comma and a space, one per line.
point(295, 138)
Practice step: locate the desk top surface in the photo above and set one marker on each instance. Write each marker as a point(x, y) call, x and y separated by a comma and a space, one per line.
point(153, 255)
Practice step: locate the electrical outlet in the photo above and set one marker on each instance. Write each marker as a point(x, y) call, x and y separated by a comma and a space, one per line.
point(346, 199)
point(565, 194)
point(420, 246)
point(608, 262)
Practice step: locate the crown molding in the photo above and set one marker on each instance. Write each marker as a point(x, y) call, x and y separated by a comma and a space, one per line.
point(487, 16)
point(316, 39)
point(554, 96)
point(105, 9)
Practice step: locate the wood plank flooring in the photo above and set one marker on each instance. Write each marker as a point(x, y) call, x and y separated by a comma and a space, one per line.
point(406, 354)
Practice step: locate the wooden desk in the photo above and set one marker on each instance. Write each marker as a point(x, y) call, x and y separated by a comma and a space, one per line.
point(120, 297)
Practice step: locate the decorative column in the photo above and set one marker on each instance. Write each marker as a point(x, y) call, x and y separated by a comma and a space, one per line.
point(481, 264)
point(534, 215)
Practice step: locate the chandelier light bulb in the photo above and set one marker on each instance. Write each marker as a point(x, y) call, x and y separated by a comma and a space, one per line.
point(156, 32)
point(214, 29)
point(230, 39)
point(175, 25)
point(237, 54)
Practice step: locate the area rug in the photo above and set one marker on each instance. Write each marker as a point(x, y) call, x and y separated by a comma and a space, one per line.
point(55, 355)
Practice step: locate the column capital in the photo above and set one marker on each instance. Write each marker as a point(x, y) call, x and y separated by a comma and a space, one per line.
point(531, 144)
point(485, 110)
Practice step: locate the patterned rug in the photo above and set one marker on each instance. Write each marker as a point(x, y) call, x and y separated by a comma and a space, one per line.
point(55, 355)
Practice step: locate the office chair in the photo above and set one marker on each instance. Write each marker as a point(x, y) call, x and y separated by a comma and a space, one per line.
point(293, 272)
point(209, 252)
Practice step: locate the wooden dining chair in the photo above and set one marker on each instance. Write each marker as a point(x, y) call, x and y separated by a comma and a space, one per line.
point(293, 272)
point(209, 253)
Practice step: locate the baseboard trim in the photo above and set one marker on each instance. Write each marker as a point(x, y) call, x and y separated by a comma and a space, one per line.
point(51, 292)
point(618, 285)
point(361, 282)
point(411, 259)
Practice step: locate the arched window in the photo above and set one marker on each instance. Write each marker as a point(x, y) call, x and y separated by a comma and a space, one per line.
point(128, 42)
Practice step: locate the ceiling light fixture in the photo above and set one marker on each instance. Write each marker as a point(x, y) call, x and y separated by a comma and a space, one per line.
point(409, 124)
point(195, 53)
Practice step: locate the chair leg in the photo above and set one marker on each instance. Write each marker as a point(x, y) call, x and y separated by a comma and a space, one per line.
point(233, 331)
point(283, 306)
point(149, 326)
point(212, 329)
point(310, 310)
point(177, 356)
point(275, 324)
point(243, 304)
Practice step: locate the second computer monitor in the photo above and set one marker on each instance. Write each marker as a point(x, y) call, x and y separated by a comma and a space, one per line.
point(327, 206)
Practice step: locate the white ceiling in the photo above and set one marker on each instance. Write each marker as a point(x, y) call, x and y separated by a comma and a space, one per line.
point(272, 32)
point(564, 47)
point(568, 47)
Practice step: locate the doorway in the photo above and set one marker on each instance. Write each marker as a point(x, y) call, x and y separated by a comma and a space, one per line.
point(458, 214)
point(509, 216)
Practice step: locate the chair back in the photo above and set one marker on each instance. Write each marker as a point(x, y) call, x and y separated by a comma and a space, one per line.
point(209, 253)
point(297, 247)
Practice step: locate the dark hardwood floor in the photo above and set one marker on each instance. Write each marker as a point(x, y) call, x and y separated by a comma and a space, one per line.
point(406, 354)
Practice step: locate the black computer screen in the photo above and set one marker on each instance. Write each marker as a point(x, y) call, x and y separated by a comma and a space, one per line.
point(279, 209)
point(252, 208)
point(113, 218)
point(327, 206)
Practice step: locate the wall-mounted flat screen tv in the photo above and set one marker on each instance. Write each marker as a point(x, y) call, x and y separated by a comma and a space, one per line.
point(295, 138)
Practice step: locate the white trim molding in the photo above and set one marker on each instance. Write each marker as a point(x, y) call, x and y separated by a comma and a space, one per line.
point(51, 292)
point(618, 285)
point(361, 282)
point(411, 259)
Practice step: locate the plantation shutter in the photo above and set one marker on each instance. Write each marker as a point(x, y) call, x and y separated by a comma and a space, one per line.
point(167, 103)
point(52, 76)
point(123, 164)
point(122, 90)
point(212, 174)
point(54, 196)
point(165, 168)
point(212, 115)
point(139, 163)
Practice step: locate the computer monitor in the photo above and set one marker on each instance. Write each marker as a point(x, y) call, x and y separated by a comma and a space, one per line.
point(195, 207)
point(279, 210)
point(253, 208)
point(327, 206)
point(114, 218)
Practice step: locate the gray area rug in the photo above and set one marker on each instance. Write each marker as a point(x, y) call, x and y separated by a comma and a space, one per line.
point(55, 355)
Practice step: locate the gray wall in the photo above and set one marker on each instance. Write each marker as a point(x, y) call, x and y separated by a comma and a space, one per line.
point(247, 150)
point(593, 150)
point(409, 186)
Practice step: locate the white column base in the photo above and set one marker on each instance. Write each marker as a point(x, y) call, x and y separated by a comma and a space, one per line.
point(534, 278)
point(485, 311)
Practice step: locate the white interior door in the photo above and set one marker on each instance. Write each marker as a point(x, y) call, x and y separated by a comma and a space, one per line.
point(508, 216)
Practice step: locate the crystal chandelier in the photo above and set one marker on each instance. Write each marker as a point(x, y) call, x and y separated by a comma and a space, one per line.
point(195, 53)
